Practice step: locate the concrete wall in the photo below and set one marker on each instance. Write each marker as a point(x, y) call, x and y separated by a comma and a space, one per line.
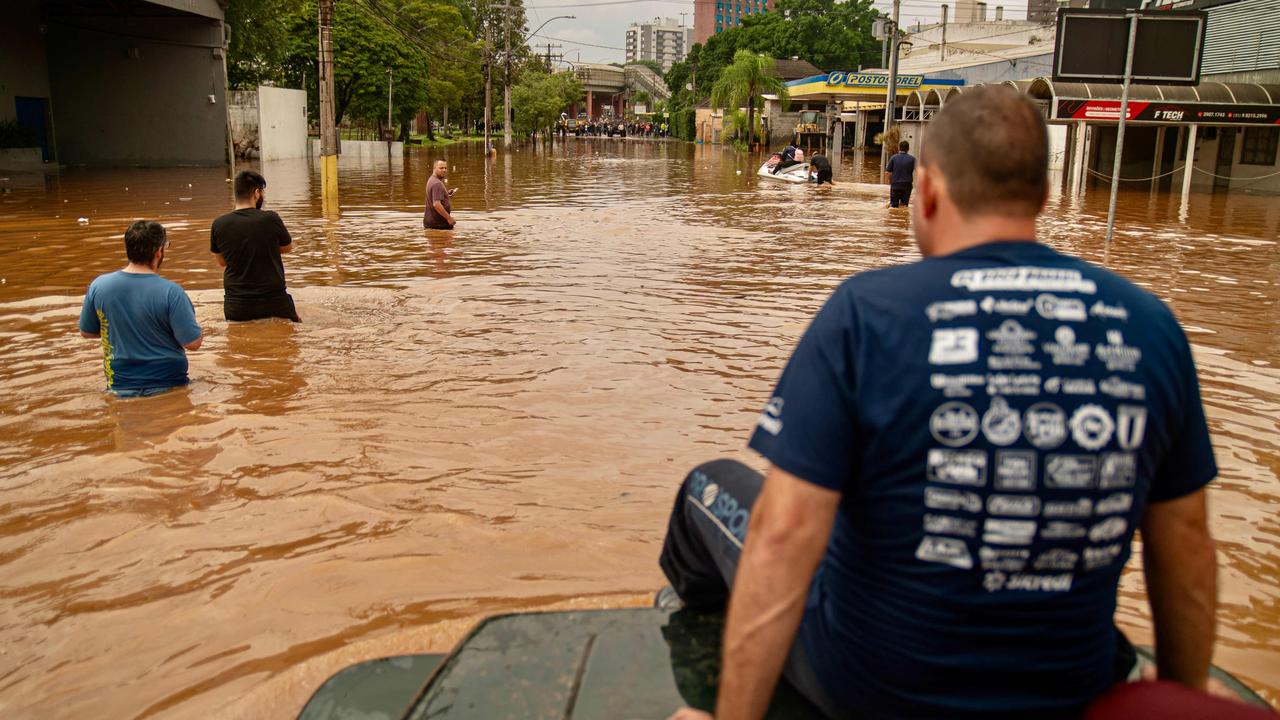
point(362, 148)
point(282, 123)
point(1000, 70)
point(23, 70)
point(242, 112)
point(120, 99)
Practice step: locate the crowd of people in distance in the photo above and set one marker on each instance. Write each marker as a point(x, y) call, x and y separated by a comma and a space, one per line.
point(609, 127)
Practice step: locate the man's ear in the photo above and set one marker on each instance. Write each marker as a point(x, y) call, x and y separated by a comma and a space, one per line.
point(930, 187)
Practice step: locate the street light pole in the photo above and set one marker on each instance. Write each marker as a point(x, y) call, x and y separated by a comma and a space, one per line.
point(892, 95)
point(506, 80)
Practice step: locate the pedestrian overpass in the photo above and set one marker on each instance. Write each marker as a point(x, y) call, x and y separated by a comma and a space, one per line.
point(610, 85)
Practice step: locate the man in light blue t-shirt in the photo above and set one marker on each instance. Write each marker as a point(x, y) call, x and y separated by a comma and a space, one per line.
point(146, 323)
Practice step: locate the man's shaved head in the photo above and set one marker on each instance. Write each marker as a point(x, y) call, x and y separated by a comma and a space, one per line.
point(991, 147)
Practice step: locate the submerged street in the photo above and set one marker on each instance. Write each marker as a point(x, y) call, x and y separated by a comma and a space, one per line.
point(490, 419)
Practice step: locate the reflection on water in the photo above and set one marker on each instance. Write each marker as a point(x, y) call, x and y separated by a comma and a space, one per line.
point(483, 420)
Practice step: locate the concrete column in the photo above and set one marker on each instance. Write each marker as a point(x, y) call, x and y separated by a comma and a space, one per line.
point(837, 138)
point(1078, 157)
point(1189, 162)
point(860, 130)
point(1157, 166)
point(590, 102)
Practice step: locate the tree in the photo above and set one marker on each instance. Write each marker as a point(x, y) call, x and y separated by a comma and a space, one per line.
point(745, 82)
point(424, 43)
point(259, 40)
point(831, 34)
point(539, 98)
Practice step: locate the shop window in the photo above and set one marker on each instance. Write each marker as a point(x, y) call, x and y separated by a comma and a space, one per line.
point(1259, 147)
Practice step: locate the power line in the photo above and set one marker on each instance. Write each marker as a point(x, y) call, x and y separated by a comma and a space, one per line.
point(575, 42)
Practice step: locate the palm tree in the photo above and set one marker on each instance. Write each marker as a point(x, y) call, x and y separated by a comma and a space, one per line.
point(745, 82)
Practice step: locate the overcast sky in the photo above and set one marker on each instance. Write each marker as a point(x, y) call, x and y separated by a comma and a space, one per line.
point(604, 22)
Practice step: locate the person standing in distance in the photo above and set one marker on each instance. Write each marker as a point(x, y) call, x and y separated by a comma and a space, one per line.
point(899, 173)
point(247, 243)
point(146, 323)
point(439, 212)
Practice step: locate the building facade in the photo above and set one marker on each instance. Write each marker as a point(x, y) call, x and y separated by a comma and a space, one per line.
point(710, 18)
point(663, 41)
point(117, 82)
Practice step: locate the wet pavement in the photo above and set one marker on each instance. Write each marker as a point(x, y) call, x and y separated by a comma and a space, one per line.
point(486, 420)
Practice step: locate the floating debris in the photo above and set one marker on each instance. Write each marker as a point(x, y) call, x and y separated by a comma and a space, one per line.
point(83, 221)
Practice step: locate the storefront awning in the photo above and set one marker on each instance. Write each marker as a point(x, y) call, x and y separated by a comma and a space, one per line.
point(1209, 102)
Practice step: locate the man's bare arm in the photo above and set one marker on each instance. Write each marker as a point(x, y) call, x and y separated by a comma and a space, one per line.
point(222, 262)
point(1181, 569)
point(439, 206)
point(790, 527)
point(286, 248)
point(95, 336)
point(195, 344)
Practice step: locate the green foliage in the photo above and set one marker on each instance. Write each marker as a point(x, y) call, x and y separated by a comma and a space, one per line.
point(259, 40)
point(744, 83)
point(734, 129)
point(432, 48)
point(13, 135)
point(539, 98)
point(831, 35)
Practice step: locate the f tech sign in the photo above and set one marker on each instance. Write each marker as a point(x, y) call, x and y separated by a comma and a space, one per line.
point(1166, 112)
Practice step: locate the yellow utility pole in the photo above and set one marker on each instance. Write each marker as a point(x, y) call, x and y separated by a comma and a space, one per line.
point(328, 133)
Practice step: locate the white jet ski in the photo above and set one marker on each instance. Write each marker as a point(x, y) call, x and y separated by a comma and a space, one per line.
point(794, 174)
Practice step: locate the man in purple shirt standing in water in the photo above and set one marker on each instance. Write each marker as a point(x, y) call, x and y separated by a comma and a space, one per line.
point(439, 212)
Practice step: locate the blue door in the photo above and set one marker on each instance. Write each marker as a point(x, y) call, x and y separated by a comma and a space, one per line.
point(32, 113)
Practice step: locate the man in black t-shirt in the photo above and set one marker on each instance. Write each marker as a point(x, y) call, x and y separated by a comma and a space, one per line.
point(820, 170)
point(247, 243)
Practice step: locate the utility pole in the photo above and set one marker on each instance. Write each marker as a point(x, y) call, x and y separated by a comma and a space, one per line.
point(1124, 114)
point(891, 96)
point(506, 80)
point(328, 133)
point(488, 80)
point(942, 54)
point(390, 131)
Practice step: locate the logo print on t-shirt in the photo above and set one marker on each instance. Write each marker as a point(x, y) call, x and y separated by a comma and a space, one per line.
point(1131, 426)
point(1001, 424)
point(1015, 470)
point(954, 346)
point(1045, 425)
point(1118, 470)
point(945, 550)
point(1052, 307)
point(954, 424)
point(1091, 427)
point(1065, 350)
point(1116, 354)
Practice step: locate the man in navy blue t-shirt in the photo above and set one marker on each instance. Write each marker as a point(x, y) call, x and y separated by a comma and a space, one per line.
point(900, 173)
point(961, 450)
point(146, 323)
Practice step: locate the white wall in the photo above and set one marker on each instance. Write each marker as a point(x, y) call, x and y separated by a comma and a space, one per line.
point(282, 123)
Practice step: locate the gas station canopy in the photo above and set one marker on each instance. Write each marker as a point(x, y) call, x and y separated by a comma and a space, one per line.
point(862, 86)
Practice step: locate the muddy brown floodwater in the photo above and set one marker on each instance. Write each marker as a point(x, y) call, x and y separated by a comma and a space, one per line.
point(487, 420)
